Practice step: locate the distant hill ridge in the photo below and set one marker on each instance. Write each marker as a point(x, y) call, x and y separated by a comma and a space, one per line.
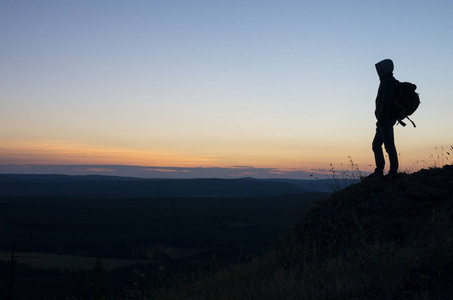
point(36, 185)
point(50, 185)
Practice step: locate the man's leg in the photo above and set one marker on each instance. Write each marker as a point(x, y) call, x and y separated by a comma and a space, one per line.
point(378, 154)
point(389, 143)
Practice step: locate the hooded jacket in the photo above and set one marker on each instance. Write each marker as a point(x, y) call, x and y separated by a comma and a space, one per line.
point(386, 92)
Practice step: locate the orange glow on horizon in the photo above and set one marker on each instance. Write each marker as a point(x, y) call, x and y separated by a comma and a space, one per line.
point(73, 153)
point(68, 152)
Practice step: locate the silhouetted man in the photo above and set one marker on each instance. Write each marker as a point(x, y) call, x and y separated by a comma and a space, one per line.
point(385, 120)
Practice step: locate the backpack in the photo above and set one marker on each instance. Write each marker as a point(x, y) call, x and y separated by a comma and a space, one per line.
point(406, 102)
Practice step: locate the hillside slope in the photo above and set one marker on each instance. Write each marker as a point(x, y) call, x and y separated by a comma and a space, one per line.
point(376, 239)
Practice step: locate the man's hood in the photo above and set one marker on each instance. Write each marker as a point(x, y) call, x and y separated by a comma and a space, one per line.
point(384, 68)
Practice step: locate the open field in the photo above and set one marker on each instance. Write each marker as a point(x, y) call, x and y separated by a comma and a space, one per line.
point(67, 262)
point(146, 241)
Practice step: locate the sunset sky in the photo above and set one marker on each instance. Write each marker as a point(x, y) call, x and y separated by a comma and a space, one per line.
point(255, 88)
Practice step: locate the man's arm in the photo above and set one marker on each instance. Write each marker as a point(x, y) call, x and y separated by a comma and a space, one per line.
point(386, 91)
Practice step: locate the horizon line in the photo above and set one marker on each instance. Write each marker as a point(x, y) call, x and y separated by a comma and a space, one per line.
point(159, 172)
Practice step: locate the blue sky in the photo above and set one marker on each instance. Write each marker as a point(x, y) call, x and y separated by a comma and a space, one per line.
point(265, 84)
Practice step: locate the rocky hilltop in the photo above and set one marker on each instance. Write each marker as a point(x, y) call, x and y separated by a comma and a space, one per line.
point(397, 234)
point(399, 211)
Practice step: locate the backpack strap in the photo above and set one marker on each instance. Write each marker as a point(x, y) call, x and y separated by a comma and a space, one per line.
point(401, 122)
point(411, 121)
point(404, 124)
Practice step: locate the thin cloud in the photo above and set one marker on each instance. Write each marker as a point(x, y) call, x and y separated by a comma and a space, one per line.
point(156, 172)
point(99, 170)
